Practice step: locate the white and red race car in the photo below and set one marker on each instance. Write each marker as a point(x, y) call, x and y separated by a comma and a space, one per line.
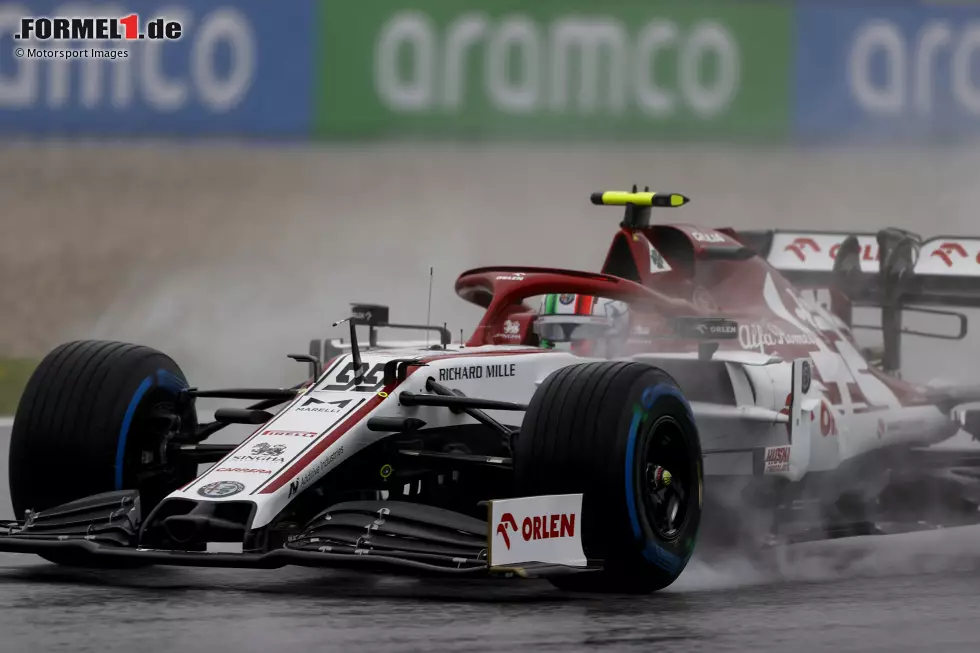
point(568, 443)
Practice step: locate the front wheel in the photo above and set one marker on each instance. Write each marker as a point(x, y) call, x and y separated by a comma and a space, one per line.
point(96, 417)
point(623, 435)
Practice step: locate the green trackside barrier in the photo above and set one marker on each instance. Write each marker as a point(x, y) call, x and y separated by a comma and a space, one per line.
point(13, 377)
point(555, 69)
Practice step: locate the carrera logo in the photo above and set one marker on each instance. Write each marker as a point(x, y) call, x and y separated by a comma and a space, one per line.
point(537, 529)
point(244, 470)
point(946, 251)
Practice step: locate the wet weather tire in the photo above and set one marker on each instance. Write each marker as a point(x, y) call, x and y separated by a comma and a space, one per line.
point(608, 430)
point(88, 421)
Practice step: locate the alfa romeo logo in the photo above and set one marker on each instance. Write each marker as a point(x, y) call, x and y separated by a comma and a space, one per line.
point(220, 489)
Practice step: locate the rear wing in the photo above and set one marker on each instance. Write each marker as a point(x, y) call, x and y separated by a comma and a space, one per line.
point(940, 271)
point(894, 270)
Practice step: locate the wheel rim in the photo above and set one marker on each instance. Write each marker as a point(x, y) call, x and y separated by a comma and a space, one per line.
point(666, 480)
point(149, 466)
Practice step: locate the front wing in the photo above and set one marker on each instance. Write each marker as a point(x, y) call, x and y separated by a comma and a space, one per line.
point(370, 536)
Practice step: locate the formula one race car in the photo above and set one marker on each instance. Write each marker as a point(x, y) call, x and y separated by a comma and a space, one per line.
point(562, 440)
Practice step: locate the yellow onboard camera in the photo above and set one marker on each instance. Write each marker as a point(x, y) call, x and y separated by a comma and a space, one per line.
point(622, 198)
point(637, 214)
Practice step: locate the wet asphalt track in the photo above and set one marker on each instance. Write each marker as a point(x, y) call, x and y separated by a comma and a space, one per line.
point(896, 593)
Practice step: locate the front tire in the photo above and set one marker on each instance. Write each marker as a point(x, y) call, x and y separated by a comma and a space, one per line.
point(609, 430)
point(95, 417)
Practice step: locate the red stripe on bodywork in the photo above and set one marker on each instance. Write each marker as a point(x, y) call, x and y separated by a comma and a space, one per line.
point(361, 412)
point(323, 444)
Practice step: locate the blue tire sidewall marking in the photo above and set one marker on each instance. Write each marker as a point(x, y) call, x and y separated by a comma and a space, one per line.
point(170, 381)
point(166, 380)
point(651, 551)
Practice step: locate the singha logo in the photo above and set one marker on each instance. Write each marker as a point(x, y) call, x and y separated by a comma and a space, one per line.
point(266, 449)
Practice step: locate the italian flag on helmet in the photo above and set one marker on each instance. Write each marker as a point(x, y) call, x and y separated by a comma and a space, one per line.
point(567, 304)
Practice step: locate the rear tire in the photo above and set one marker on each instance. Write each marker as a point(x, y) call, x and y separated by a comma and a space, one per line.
point(600, 429)
point(93, 418)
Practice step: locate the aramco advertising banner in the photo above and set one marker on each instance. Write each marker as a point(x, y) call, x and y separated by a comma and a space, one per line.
point(566, 69)
point(237, 67)
point(887, 71)
point(559, 70)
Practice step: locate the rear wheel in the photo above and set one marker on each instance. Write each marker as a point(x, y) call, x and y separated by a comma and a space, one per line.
point(96, 417)
point(621, 434)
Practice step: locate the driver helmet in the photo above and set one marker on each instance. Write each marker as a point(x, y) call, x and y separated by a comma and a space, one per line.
point(575, 304)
